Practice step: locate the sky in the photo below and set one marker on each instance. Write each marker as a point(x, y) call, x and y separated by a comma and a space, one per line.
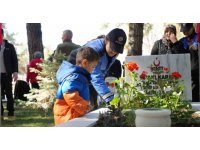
point(52, 33)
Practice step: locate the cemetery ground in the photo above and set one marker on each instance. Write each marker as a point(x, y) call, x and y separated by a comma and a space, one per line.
point(28, 117)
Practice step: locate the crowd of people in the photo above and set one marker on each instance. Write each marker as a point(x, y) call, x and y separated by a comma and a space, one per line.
point(81, 78)
point(169, 44)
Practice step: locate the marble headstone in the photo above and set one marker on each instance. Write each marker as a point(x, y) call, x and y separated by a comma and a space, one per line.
point(175, 62)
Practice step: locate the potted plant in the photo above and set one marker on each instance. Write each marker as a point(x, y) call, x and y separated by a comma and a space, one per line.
point(152, 94)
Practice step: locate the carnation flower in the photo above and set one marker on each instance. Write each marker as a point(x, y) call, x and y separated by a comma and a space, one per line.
point(132, 66)
point(176, 75)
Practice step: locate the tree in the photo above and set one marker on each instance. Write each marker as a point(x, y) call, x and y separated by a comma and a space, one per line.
point(135, 38)
point(44, 97)
point(9, 36)
point(34, 35)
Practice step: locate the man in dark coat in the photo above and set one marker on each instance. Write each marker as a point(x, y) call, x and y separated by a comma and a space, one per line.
point(67, 46)
point(9, 72)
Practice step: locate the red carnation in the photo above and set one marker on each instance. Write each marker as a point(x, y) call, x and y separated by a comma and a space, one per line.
point(166, 69)
point(132, 66)
point(143, 75)
point(176, 75)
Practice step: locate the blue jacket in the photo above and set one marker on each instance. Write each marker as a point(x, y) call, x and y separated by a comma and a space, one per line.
point(184, 40)
point(100, 70)
point(193, 53)
point(72, 78)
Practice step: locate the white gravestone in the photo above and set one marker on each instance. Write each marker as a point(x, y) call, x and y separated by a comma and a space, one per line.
point(175, 62)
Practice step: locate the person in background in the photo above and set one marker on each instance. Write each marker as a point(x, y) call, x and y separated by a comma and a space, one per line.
point(32, 76)
point(72, 99)
point(190, 44)
point(108, 48)
point(9, 72)
point(169, 43)
point(67, 46)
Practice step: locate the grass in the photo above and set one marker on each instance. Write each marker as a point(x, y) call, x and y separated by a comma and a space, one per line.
point(25, 117)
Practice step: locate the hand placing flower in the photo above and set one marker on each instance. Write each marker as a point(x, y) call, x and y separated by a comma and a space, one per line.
point(110, 84)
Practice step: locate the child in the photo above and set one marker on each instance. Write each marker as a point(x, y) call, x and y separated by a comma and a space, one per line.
point(72, 99)
point(32, 76)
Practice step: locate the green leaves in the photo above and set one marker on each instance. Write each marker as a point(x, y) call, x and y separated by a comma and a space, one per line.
point(115, 101)
point(45, 96)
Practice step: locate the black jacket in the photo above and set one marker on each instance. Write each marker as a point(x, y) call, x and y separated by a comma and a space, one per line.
point(10, 58)
point(115, 70)
point(162, 47)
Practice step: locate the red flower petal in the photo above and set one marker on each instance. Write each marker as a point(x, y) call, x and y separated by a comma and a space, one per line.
point(166, 69)
point(143, 75)
point(132, 66)
point(176, 75)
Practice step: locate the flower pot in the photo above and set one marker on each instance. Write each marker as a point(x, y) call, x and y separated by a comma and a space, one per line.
point(153, 117)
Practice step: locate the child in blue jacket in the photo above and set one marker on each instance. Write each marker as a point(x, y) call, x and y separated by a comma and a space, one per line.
point(72, 99)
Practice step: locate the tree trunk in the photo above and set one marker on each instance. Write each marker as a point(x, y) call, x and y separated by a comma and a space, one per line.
point(135, 38)
point(34, 35)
